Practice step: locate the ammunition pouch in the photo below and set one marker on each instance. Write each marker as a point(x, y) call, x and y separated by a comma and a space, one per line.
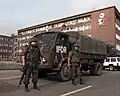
point(74, 64)
point(32, 64)
point(23, 68)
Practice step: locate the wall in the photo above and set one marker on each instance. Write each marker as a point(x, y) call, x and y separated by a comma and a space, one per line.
point(103, 25)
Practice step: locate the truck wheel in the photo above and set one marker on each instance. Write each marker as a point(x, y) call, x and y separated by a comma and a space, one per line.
point(111, 67)
point(96, 70)
point(64, 74)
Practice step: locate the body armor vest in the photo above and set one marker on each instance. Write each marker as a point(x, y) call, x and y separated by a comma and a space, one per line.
point(33, 54)
point(75, 58)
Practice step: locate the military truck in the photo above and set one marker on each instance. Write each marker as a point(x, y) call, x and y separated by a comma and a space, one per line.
point(55, 47)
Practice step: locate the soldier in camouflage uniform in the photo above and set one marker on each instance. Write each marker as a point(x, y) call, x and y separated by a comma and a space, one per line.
point(32, 60)
point(74, 61)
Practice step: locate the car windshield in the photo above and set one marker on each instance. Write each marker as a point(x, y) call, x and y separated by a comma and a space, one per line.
point(46, 38)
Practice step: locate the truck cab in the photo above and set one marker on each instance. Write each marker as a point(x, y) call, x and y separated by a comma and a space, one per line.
point(54, 47)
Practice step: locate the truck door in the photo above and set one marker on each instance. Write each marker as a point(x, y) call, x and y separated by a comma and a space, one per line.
point(46, 41)
point(62, 45)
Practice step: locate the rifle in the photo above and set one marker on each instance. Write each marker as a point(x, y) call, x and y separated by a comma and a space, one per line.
point(23, 74)
point(24, 67)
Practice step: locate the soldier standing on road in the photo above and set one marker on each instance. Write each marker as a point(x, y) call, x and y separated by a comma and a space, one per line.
point(32, 59)
point(74, 61)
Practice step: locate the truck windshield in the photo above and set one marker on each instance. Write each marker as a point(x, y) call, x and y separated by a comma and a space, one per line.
point(46, 38)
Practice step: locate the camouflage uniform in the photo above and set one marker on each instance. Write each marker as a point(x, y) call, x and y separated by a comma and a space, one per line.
point(75, 64)
point(32, 59)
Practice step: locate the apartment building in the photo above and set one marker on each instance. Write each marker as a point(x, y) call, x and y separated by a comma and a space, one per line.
point(103, 24)
point(6, 48)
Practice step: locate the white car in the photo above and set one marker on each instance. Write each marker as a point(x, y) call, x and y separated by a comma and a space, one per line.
point(112, 63)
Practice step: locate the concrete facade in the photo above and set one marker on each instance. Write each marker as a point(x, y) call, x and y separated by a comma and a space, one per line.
point(103, 24)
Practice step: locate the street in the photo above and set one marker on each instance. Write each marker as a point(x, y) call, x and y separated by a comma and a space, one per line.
point(108, 84)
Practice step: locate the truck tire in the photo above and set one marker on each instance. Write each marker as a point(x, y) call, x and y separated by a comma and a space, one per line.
point(96, 70)
point(64, 74)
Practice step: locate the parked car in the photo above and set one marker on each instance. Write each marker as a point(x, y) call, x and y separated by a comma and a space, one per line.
point(112, 63)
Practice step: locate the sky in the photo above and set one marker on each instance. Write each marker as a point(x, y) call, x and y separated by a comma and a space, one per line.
point(18, 14)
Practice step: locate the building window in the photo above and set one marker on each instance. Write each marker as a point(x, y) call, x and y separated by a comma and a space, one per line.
point(20, 44)
point(118, 47)
point(74, 22)
point(36, 29)
point(27, 37)
point(27, 32)
point(44, 28)
point(117, 37)
point(0, 50)
point(88, 19)
point(23, 38)
point(67, 23)
point(40, 29)
point(33, 30)
point(0, 56)
point(1, 38)
point(23, 44)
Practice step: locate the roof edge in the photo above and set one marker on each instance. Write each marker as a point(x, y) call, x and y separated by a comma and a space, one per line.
point(66, 18)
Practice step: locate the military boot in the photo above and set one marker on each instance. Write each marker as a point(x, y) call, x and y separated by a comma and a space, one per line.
point(80, 78)
point(73, 82)
point(81, 81)
point(26, 88)
point(36, 87)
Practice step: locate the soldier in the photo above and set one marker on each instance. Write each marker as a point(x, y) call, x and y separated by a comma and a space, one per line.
point(74, 60)
point(32, 60)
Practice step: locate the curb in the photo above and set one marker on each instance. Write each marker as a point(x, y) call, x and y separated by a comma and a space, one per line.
point(11, 77)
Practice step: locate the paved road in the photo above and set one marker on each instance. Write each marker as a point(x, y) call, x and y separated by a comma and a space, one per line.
point(106, 85)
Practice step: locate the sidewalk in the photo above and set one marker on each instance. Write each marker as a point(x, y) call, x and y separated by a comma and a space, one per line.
point(10, 77)
point(9, 74)
point(9, 71)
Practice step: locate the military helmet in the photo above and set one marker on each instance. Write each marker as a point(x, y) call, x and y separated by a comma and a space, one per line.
point(76, 45)
point(33, 40)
